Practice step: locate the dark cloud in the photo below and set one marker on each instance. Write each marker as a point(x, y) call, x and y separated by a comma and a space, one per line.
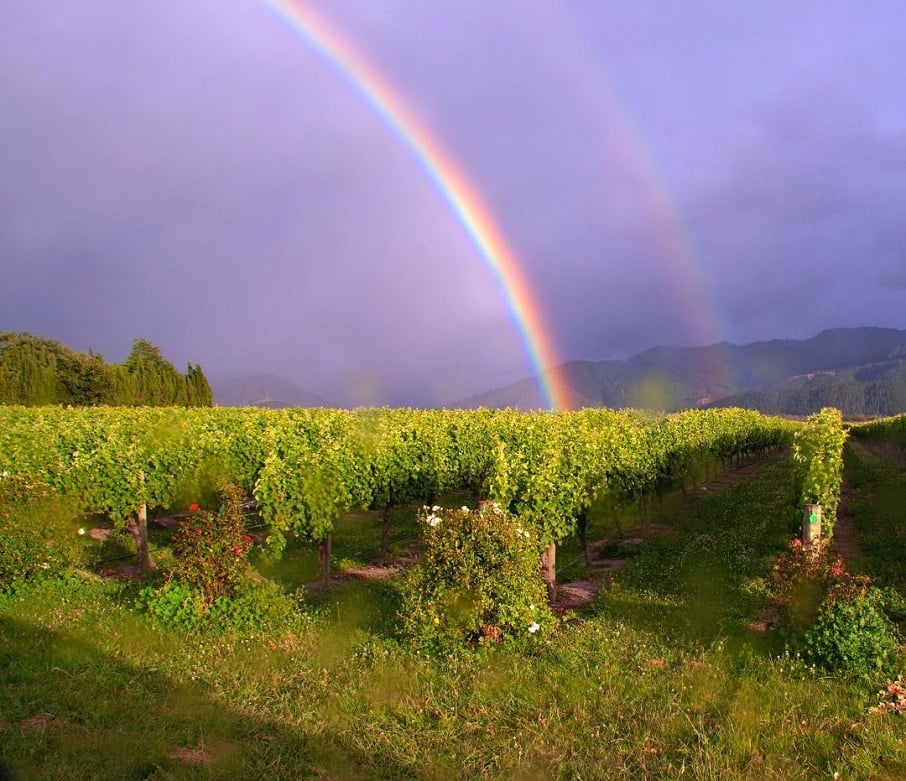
point(197, 175)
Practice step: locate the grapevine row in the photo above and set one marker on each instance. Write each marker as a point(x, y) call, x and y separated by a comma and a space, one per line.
point(305, 467)
point(890, 431)
point(818, 461)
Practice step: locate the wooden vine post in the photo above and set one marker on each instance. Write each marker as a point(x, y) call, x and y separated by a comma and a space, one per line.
point(811, 523)
point(549, 569)
point(137, 525)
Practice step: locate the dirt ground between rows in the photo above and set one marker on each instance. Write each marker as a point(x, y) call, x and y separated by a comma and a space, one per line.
point(576, 594)
point(573, 595)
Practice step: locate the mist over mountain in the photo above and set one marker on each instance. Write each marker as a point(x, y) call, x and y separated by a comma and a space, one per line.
point(262, 390)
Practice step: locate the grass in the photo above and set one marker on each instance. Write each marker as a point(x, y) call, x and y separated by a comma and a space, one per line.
point(659, 678)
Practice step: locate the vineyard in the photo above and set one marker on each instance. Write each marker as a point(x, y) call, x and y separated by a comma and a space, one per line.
point(305, 468)
point(458, 666)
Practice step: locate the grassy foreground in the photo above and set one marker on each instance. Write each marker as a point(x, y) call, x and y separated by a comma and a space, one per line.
point(661, 678)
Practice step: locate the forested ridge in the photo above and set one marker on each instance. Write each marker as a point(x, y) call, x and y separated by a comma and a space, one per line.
point(36, 371)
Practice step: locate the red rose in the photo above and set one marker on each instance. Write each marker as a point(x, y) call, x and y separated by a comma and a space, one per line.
point(193, 507)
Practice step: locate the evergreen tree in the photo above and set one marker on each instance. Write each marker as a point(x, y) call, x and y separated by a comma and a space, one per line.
point(35, 371)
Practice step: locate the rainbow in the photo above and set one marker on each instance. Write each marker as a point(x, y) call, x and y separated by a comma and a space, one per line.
point(475, 217)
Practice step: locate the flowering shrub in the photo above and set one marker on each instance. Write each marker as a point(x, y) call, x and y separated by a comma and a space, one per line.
point(211, 549)
point(478, 580)
point(838, 621)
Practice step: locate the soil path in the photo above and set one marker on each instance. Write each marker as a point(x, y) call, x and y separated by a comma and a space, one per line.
point(845, 541)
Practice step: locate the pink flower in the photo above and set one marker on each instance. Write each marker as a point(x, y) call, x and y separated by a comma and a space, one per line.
point(837, 567)
point(795, 543)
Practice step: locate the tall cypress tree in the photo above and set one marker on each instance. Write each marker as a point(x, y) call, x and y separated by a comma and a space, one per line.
point(35, 371)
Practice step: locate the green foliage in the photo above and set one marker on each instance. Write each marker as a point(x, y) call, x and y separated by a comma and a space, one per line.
point(890, 431)
point(853, 635)
point(477, 580)
point(316, 467)
point(254, 607)
point(175, 605)
point(212, 549)
point(818, 459)
point(36, 532)
point(307, 467)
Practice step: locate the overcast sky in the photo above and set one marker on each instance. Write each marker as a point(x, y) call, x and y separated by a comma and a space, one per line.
point(194, 173)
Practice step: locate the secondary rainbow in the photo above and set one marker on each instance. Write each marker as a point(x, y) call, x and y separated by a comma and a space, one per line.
point(449, 180)
point(683, 261)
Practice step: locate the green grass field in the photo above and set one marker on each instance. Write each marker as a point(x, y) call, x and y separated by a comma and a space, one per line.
point(660, 677)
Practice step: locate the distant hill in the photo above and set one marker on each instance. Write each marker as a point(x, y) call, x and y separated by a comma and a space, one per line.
point(263, 390)
point(860, 370)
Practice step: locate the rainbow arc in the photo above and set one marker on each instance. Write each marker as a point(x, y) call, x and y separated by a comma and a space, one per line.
point(451, 183)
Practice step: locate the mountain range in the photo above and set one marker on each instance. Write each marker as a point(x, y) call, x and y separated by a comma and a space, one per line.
point(862, 371)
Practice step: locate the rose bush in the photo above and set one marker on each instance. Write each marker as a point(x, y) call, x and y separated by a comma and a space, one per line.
point(211, 548)
point(478, 580)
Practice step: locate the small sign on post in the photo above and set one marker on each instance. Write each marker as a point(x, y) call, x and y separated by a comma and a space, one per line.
point(811, 523)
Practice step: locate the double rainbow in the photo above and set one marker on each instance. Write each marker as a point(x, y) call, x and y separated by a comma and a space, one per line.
point(451, 183)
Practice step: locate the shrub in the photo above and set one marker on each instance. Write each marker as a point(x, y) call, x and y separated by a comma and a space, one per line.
point(852, 635)
point(175, 605)
point(36, 534)
point(255, 606)
point(211, 549)
point(478, 580)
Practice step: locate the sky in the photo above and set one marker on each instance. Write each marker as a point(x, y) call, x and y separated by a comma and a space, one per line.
point(205, 175)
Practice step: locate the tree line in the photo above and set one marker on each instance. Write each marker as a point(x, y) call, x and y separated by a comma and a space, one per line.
point(36, 371)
